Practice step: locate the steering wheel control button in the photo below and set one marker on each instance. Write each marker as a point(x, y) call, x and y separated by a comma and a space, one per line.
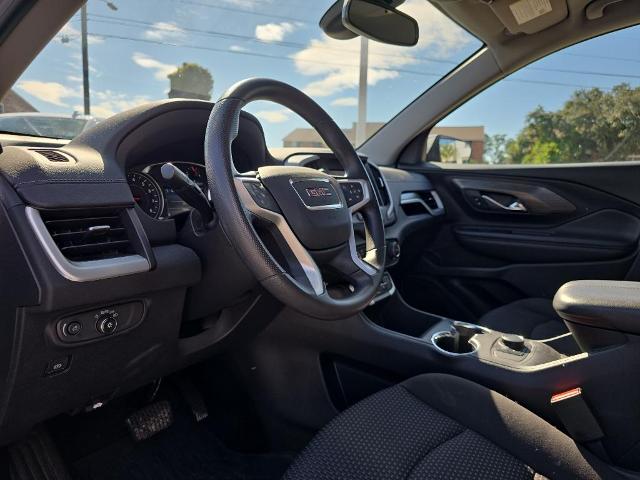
point(353, 192)
point(58, 365)
point(72, 329)
point(78, 328)
point(261, 196)
point(107, 323)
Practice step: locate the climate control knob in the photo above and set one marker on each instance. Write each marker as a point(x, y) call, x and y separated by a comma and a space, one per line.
point(107, 323)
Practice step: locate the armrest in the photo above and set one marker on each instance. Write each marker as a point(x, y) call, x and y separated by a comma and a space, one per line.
point(602, 304)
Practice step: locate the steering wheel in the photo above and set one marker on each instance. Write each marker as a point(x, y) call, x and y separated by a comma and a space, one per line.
point(288, 222)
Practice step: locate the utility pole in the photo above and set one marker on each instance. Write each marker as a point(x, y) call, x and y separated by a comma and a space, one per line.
point(361, 126)
point(85, 59)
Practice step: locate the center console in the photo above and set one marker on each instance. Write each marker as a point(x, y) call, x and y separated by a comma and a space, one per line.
point(598, 359)
point(501, 349)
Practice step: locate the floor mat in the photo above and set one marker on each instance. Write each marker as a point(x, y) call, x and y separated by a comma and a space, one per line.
point(185, 451)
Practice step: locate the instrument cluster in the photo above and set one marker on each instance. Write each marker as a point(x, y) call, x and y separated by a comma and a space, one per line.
point(157, 199)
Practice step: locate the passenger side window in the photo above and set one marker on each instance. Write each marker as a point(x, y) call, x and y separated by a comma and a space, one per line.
point(579, 105)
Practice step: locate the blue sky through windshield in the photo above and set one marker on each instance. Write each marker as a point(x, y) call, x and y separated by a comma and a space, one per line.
point(135, 44)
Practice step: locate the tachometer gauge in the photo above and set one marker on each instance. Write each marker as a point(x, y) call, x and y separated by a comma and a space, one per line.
point(147, 193)
point(197, 173)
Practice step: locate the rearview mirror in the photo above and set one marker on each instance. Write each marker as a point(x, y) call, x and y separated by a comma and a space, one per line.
point(448, 149)
point(377, 20)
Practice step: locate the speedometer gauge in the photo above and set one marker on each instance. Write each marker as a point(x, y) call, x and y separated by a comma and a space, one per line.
point(147, 193)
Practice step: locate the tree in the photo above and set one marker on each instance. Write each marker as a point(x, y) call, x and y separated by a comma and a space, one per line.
point(593, 125)
point(495, 148)
point(190, 80)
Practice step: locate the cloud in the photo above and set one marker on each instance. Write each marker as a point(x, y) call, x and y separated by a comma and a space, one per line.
point(106, 103)
point(319, 59)
point(345, 102)
point(274, 32)
point(439, 39)
point(162, 31)
point(273, 116)
point(50, 92)
point(238, 48)
point(161, 69)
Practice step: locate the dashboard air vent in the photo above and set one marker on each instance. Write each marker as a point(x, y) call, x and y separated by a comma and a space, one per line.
point(379, 185)
point(53, 155)
point(83, 235)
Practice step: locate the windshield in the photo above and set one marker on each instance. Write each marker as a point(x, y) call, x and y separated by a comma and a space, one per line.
point(136, 51)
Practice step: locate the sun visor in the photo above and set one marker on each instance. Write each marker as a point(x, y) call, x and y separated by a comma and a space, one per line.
point(529, 16)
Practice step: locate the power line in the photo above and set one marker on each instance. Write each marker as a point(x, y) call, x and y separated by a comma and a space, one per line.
point(128, 22)
point(240, 10)
point(278, 57)
point(583, 72)
point(256, 54)
point(601, 57)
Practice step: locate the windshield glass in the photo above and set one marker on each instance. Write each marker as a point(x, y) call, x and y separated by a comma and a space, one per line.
point(136, 51)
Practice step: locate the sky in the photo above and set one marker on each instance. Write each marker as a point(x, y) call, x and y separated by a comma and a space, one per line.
point(134, 48)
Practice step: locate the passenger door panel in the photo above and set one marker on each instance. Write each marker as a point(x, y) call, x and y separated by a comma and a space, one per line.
point(481, 256)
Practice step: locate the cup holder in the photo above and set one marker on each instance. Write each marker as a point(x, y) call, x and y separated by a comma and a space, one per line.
point(452, 344)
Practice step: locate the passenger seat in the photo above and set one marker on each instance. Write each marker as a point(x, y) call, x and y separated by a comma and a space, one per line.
point(532, 318)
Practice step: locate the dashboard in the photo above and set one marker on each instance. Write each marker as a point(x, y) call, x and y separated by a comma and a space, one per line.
point(155, 198)
point(88, 230)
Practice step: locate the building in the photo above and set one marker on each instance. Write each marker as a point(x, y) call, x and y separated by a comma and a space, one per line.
point(14, 103)
point(309, 138)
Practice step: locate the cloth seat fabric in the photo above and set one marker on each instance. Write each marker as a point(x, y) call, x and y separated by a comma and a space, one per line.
point(532, 318)
point(442, 427)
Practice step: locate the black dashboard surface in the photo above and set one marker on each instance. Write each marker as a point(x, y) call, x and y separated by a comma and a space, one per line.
point(189, 281)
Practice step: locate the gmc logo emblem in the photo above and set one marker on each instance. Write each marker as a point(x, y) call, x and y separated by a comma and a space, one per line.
point(319, 192)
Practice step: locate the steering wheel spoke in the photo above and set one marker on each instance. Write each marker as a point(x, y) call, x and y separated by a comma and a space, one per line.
point(357, 272)
point(257, 200)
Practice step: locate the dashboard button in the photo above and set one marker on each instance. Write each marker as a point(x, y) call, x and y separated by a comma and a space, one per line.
point(261, 196)
point(72, 329)
point(107, 324)
point(58, 365)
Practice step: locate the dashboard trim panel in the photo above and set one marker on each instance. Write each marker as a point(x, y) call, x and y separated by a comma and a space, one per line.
point(87, 271)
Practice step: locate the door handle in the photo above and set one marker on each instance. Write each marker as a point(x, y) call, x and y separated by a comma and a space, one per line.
point(515, 206)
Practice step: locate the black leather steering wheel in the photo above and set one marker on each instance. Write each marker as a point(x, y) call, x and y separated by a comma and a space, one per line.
point(287, 222)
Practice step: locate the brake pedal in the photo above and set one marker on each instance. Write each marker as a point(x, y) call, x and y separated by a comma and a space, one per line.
point(150, 420)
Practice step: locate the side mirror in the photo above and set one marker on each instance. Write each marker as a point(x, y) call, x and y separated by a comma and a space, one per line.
point(448, 149)
point(377, 20)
